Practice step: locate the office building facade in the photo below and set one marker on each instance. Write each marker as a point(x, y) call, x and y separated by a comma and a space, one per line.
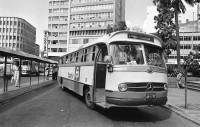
point(17, 34)
point(72, 23)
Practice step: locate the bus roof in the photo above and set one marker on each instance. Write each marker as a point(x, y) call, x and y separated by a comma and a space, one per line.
point(125, 36)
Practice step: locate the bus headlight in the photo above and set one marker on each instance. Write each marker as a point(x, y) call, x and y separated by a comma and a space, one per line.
point(165, 87)
point(122, 87)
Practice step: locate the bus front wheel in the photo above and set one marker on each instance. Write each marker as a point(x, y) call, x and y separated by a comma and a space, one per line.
point(88, 98)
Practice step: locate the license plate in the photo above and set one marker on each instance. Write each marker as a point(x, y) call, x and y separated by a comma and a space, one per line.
point(150, 95)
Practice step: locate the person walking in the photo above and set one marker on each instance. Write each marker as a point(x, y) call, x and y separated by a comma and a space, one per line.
point(55, 72)
point(15, 76)
point(180, 85)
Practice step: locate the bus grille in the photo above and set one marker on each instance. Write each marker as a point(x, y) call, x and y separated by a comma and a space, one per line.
point(143, 87)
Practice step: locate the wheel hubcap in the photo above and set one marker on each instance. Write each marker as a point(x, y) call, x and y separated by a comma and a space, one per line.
point(88, 97)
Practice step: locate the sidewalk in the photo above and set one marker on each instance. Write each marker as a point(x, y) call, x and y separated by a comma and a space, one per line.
point(176, 103)
point(24, 88)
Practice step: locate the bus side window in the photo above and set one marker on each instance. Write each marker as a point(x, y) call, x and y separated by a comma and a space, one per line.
point(67, 59)
point(79, 56)
point(71, 58)
point(84, 55)
point(76, 57)
point(93, 53)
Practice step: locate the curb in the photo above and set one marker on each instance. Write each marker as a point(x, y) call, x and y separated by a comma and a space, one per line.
point(7, 96)
point(182, 113)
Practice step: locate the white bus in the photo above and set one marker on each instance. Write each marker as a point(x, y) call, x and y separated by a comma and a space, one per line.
point(123, 69)
point(27, 69)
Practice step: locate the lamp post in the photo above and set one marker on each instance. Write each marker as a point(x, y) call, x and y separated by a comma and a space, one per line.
point(46, 36)
point(192, 31)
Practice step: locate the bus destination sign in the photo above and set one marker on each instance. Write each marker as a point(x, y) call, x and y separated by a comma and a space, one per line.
point(141, 37)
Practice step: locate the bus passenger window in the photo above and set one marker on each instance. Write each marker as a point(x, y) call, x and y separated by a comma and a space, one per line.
point(93, 53)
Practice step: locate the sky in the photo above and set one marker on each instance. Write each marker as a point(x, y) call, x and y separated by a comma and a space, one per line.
point(36, 13)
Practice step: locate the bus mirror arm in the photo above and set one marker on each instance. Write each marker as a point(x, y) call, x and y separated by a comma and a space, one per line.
point(110, 67)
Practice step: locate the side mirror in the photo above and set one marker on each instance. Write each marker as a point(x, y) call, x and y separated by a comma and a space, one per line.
point(110, 67)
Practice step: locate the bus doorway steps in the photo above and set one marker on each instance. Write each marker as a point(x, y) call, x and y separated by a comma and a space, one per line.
point(100, 95)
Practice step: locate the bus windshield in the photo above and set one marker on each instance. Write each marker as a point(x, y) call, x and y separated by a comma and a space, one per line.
point(129, 54)
point(154, 56)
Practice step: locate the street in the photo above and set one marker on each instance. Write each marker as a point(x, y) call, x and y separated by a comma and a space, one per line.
point(53, 107)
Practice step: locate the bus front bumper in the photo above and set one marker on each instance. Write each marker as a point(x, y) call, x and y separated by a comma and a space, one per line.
point(136, 98)
point(136, 102)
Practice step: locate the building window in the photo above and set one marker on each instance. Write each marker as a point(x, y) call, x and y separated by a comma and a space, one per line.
point(85, 41)
point(55, 26)
point(55, 18)
point(53, 49)
point(62, 33)
point(54, 41)
point(62, 50)
point(62, 41)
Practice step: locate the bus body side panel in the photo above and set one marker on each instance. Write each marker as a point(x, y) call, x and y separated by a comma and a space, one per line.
point(74, 78)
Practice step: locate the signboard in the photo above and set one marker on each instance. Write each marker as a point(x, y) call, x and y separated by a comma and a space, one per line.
point(140, 37)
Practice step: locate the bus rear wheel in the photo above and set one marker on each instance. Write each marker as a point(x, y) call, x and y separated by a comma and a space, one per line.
point(88, 99)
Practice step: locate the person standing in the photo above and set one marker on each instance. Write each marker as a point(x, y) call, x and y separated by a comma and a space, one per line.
point(180, 85)
point(55, 73)
point(16, 73)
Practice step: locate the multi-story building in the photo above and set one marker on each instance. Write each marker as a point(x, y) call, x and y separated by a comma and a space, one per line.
point(17, 34)
point(72, 23)
point(189, 37)
point(37, 49)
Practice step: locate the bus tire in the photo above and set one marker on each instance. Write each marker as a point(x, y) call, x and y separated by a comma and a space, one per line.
point(87, 97)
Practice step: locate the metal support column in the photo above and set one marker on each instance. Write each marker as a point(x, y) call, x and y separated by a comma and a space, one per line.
point(44, 71)
point(5, 76)
point(38, 72)
point(20, 71)
point(30, 70)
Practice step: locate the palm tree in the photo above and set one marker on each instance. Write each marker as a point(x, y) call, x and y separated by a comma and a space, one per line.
point(178, 7)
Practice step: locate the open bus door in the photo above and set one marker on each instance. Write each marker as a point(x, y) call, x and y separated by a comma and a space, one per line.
point(100, 76)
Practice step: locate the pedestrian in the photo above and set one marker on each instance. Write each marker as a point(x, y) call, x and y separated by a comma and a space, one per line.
point(15, 76)
point(55, 73)
point(180, 85)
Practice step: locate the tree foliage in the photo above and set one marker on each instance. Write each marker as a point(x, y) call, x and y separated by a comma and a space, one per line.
point(178, 7)
point(165, 26)
point(120, 26)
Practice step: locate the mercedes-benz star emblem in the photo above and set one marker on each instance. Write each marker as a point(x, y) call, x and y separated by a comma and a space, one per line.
point(149, 87)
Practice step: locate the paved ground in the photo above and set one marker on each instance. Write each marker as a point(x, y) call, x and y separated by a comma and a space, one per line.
point(188, 108)
point(185, 103)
